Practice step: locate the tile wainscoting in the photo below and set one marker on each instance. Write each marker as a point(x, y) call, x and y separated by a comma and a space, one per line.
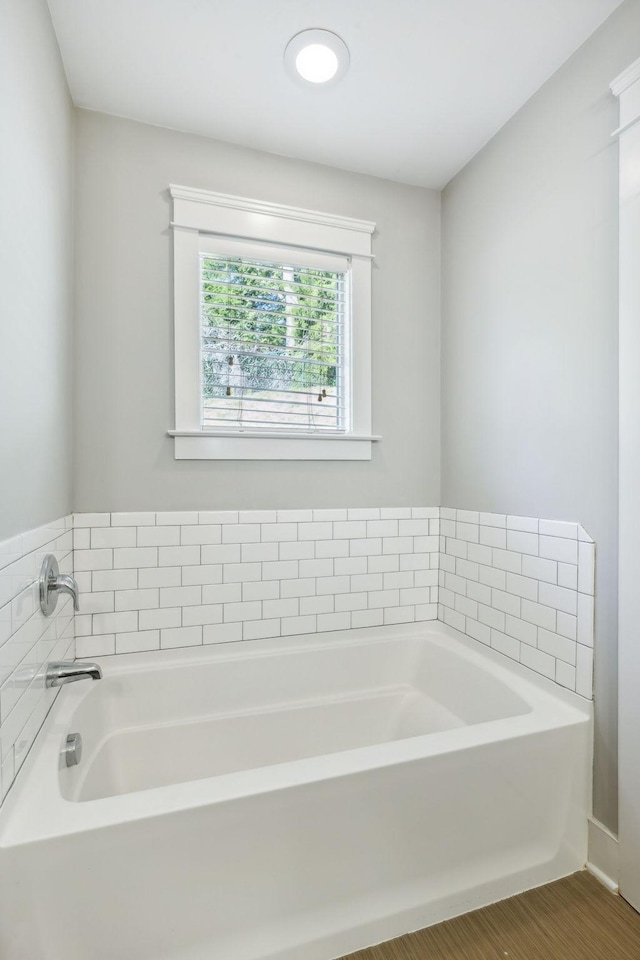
point(150, 581)
point(28, 640)
point(521, 585)
point(524, 587)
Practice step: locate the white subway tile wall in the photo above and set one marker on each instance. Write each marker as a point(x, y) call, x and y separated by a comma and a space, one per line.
point(521, 585)
point(28, 640)
point(524, 587)
point(153, 581)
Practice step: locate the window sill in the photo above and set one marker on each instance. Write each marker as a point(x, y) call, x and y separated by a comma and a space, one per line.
point(219, 445)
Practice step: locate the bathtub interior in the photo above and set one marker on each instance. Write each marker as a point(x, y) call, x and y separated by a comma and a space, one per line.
point(246, 709)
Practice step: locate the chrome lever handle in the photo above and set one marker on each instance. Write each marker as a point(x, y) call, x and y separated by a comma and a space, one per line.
point(66, 584)
point(52, 583)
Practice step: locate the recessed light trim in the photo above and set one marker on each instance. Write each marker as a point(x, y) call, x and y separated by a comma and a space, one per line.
point(316, 57)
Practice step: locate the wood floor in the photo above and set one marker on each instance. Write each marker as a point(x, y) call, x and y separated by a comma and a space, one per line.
point(572, 919)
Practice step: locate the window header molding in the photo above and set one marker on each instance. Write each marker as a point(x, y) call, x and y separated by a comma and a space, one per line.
point(221, 213)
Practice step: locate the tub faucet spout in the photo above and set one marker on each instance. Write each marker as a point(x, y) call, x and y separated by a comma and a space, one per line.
point(61, 672)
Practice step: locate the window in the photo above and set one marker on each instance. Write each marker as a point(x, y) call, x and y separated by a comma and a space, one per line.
point(272, 331)
point(275, 337)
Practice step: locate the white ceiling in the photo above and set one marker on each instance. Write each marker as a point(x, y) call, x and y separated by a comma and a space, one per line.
point(430, 81)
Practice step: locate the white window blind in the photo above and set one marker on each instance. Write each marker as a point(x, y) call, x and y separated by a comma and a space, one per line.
point(274, 341)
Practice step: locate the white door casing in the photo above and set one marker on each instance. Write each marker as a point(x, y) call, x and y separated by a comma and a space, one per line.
point(627, 88)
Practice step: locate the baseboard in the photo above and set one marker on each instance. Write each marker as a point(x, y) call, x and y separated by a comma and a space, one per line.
point(602, 859)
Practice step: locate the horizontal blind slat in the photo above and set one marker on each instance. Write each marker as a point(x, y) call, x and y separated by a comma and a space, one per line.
point(250, 398)
point(312, 392)
point(220, 316)
point(281, 326)
point(215, 413)
point(304, 361)
point(218, 278)
point(241, 291)
point(273, 425)
point(270, 309)
point(271, 428)
point(317, 408)
point(254, 339)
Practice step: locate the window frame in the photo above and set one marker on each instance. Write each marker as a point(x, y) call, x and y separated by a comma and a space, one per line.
point(201, 214)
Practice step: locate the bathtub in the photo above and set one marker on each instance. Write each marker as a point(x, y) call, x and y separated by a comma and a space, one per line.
point(298, 798)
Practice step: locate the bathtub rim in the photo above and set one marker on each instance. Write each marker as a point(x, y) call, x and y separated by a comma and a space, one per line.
point(435, 630)
point(36, 810)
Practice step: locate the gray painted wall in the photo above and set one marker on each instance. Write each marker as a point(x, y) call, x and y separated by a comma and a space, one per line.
point(35, 271)
point(124, 372)
point(529, 351)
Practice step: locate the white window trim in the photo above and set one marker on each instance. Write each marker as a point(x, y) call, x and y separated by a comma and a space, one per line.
point(197, 212)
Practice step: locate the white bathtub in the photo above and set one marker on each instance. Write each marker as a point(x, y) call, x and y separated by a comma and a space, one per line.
point(299, 798)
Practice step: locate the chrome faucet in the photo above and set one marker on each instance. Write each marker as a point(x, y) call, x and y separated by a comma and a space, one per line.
point(53, 583)
point(60, 672)
point(66, 584)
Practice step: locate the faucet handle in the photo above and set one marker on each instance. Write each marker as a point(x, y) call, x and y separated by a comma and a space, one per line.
point(52, 582)
point(66, 584)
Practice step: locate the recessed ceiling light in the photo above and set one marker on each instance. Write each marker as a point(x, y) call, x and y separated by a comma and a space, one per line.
point(316, 56)
point(317, 63)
